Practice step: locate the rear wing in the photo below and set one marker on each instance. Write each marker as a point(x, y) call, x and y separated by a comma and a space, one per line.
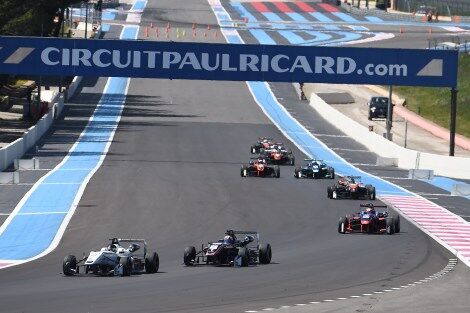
point(370, 205)
point(132, 240)
point(255, 234)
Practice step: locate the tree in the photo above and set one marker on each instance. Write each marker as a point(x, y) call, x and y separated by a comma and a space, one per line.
point(32, 17)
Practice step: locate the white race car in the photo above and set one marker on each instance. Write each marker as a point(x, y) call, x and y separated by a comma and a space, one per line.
point(115, 260)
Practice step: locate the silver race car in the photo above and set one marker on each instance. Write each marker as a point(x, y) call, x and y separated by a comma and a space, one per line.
point(115, 260)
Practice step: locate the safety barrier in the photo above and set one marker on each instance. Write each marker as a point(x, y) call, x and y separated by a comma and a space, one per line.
point(457, 167)
point(18, 148)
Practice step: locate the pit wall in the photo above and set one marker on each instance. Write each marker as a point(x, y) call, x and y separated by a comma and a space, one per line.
point(456, 167)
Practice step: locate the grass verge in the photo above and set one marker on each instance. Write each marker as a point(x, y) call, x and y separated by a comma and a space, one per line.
point(434, 103)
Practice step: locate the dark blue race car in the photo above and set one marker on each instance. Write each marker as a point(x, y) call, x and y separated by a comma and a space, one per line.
point(314, 169)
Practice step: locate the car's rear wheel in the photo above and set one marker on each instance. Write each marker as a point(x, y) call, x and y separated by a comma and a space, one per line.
point(390, 224)
point(264, 253)
point(189, 255)
point(342, 225)
point(292, 160)
point(244, 256)
point(152, 263)
point(277, 170)
point(69, 266)
point(396, 218)
point(332, 173)
point(126, 263)
point(372, 193)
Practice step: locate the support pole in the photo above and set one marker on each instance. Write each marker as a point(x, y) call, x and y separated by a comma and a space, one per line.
point(389, 114)
point(453, 120)
point(86, 18)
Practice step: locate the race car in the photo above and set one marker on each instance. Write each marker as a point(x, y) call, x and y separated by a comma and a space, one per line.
point(314, 169)
point(114, 260)
point(262, 143)
point(259, 167)
point(277, 154)
point(230, 251)
point(350, 187)
point(369, 221)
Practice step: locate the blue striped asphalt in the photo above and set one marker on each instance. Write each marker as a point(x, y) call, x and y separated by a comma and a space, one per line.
point(108, 15)
point(259, 34)
point(344, 17)
point(139, 5)
point(446, 183)
point(374, 19)
point(262, 37)
point(40, 215)
point(358, 27)
point(313, 147)
point(346, 36)
point(105, 27)
point(319, 38)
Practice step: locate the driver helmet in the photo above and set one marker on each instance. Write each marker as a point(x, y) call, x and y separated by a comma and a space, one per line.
point(113, 247)
point(370, 211)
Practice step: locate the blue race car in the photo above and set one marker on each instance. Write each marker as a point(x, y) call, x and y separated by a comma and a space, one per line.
point(314, 169)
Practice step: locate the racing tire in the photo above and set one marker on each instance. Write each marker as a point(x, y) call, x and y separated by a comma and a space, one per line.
point(189, 255)
point(126, 263)
point(152, 263)
point(277, 171)
point(244, 255)
point(369, 117)
point(334, 194)
point(342, 225)
point(390, 226)
point(243, 171)
point(332, 173)
point(329, 192)
point(292, 160)
point(297, 172)
point(396, 225)
point(69, 265)
point(265, 253)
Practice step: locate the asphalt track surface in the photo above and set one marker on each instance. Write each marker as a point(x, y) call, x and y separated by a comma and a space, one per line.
point(172, 177)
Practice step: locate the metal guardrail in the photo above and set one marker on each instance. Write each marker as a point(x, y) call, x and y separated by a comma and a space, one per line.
point(450, 43)
point(380, 13)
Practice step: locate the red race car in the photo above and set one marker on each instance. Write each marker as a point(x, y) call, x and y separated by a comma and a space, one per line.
point(369, 221)
point(260, 168)
point(350, 187)
point(277, 154)
point(262, 143)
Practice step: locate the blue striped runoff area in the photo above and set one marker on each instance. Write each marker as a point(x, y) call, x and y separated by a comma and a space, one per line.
point(39, 220)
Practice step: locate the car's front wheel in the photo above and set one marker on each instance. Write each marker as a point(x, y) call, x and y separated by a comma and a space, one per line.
point(342, 225)
point(244, 256)
point(126, 264)
point(69, 266)
point(189, 255)
point(152, 262)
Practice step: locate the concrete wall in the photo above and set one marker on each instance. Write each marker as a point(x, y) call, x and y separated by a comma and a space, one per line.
point(457, 167)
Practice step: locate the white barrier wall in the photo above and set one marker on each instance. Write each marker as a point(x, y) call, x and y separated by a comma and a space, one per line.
point(18, 148)
point(457, 167)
